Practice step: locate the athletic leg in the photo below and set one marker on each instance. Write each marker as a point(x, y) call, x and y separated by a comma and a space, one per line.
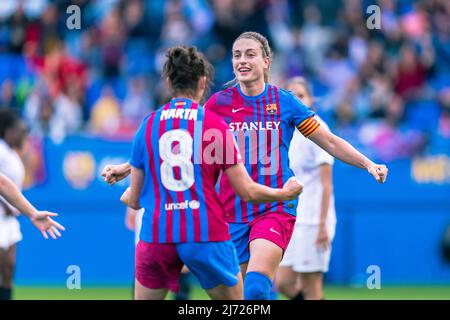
point(269, 237)
point(143, 293)
point(7, 266)
point(288, 282)
point(222, 292)
point(265, 258)
point(312, 285)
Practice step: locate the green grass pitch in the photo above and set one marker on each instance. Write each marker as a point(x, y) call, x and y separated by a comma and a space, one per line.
point(331, 293)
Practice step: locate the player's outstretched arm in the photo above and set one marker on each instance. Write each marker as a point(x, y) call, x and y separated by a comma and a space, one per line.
point(41, 219)
point(114, 173)
point(248, 190)
point(344, 151)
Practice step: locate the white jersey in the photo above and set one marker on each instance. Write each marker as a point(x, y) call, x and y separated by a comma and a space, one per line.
point(305, 159)
point(11, 165)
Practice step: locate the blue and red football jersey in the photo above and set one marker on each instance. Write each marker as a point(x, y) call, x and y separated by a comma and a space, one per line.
point(263, 126)
point(180, 148)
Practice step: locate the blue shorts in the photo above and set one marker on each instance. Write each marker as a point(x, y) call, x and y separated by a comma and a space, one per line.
point(213, 263)
point(240, 234)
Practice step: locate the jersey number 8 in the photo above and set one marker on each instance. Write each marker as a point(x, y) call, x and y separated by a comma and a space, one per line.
point(181, 159)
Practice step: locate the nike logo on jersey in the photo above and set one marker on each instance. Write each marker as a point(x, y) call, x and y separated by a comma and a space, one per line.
point(236, 110)
point(272, 230)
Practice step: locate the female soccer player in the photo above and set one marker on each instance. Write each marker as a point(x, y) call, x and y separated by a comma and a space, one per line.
point(264, 117)
point(177, 155)
point(308, 254)
point(12, 136)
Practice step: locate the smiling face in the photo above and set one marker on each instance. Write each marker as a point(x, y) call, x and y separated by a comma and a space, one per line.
point(249, 62)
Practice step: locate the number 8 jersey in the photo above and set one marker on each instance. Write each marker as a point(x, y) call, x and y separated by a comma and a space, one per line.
point(182, 148)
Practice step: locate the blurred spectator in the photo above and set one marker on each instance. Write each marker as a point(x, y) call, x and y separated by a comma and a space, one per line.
point(386, 90)
point(7, 95)
point(137, 103)
point(18, 24)
point(410, 74)
point(105, 116)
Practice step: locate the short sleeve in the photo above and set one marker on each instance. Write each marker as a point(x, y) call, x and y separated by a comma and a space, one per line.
point(137, 148)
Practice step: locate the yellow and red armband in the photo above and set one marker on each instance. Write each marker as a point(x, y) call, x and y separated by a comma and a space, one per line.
point(308, 126)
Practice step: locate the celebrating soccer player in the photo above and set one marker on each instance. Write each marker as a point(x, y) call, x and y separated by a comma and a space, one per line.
point(178, 154)
point(264, 118)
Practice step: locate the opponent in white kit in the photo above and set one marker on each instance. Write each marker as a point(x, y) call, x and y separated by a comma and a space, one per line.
point(308, 255)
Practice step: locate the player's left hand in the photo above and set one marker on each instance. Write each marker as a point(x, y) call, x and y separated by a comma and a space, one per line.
point(43, 221)
point(379, 172)
point(322, 240)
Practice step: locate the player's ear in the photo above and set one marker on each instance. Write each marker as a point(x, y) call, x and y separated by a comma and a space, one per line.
point(202, 83)
point(201, 87)
point(266, 62)
point(168, 83)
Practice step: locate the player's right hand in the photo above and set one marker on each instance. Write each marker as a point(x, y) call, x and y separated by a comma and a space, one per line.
point(379, 172)
point(114, 173)
point(292, 188)
point(43, 221)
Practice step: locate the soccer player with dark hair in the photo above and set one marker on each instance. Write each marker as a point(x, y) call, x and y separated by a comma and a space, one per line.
point(178, 153)
point(263, 118)
point(12, 136)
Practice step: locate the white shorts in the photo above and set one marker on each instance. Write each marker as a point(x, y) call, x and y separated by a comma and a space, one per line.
point(9, 231)
point(302, 253)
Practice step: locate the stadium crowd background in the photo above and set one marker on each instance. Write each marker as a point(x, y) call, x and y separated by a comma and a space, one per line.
point(385, 90)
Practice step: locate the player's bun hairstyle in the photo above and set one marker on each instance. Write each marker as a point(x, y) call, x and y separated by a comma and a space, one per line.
point(8, 119)
point(301, 81)
point(184, 67)
point(266, 52)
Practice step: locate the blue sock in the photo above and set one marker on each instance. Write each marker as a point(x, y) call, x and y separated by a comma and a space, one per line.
point(257, 286)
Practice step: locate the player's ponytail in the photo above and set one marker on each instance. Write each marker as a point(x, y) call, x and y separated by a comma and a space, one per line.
point(184, 67)
point(266, 51)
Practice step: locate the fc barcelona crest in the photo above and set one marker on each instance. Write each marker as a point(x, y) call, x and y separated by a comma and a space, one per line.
point(271, 108)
